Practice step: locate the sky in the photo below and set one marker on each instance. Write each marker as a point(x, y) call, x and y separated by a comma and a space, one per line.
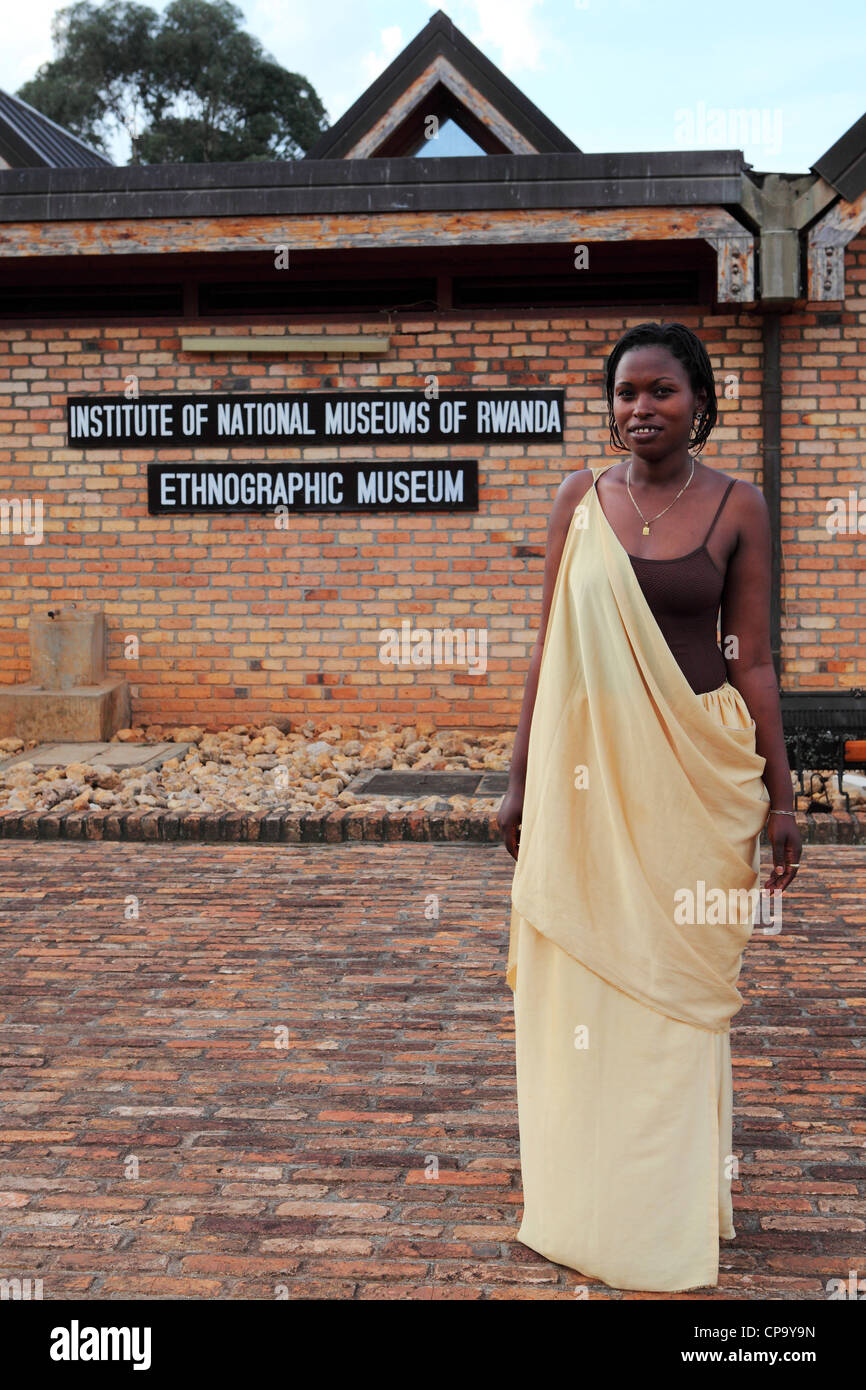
point(780, 80)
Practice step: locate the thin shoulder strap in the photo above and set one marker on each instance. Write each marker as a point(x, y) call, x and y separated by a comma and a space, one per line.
point(718, 510)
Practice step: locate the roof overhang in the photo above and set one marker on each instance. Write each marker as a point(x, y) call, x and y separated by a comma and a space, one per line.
point(493, 199)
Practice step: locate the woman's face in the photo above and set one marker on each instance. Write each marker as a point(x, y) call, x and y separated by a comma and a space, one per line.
point(652, 394)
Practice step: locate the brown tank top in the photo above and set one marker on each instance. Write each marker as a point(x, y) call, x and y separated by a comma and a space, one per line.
point(684, 595)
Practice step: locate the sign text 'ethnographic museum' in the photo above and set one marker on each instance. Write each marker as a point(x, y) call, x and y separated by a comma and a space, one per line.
point(398, 486)
point(310, 418)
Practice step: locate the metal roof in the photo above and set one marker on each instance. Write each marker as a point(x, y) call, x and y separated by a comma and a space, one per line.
point(30, 140)
point(326, 186)
point(843, 166)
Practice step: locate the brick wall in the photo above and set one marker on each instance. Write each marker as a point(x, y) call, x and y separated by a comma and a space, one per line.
point(823, 430)
point(238, 621)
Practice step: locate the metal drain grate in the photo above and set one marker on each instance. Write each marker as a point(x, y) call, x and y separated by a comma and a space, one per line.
point(143, 756)
point(385, 783)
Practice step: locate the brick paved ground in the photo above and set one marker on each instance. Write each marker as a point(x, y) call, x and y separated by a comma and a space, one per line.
point(157, 1142)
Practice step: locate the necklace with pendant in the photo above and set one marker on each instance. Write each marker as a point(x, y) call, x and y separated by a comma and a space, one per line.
point(647, 524)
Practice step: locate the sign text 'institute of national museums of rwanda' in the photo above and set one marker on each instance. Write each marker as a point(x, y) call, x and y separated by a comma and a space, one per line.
point(316, 417)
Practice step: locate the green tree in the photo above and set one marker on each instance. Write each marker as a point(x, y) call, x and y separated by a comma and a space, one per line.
point(187, 86)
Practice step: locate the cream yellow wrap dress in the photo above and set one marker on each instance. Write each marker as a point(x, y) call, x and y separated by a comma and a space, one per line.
point(637, 792)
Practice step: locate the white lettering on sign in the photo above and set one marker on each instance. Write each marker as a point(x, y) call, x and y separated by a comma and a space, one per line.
point(246, 486)
point(517, 416)
point(263, 417)
point(121, 420)
point(421, 485)
point(377, 417)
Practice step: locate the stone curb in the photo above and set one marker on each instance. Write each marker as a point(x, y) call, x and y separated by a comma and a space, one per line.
point(326, 827)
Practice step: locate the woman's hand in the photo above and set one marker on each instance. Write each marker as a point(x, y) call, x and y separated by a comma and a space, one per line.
point(508, 818)
point(787, 848)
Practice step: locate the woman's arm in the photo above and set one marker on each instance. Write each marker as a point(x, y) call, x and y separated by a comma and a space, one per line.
point(568, 496)
point(746, 618)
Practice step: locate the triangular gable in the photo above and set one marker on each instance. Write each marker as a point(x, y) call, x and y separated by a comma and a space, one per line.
point(440, 73)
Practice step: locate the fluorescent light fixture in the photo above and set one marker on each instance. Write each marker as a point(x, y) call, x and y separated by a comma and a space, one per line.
point(294, 343)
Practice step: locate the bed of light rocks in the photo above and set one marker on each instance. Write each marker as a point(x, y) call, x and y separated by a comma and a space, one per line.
point(258, 769)
point(275, 767)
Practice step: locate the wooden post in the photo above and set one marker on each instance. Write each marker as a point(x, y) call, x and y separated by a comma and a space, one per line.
point(771, 478)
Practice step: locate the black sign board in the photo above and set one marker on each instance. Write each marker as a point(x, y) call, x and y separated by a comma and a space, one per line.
point(311, 418)
point(394, 486)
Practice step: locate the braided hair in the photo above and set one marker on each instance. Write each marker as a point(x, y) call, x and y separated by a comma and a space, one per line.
point(688, 349)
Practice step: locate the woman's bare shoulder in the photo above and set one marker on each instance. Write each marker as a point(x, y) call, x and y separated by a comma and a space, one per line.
point(746, 502)
point(746, 516)
point(572, 491)
point(743, 492)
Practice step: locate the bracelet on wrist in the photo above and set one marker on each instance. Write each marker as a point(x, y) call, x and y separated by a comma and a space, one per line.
point(773, 812)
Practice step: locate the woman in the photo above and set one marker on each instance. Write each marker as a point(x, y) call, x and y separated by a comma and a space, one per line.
point(646, 761)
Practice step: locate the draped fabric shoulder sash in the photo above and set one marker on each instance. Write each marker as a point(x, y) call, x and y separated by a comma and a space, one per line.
point(637, 802)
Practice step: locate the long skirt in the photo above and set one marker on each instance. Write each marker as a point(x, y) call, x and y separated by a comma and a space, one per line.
point(625, 1122)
